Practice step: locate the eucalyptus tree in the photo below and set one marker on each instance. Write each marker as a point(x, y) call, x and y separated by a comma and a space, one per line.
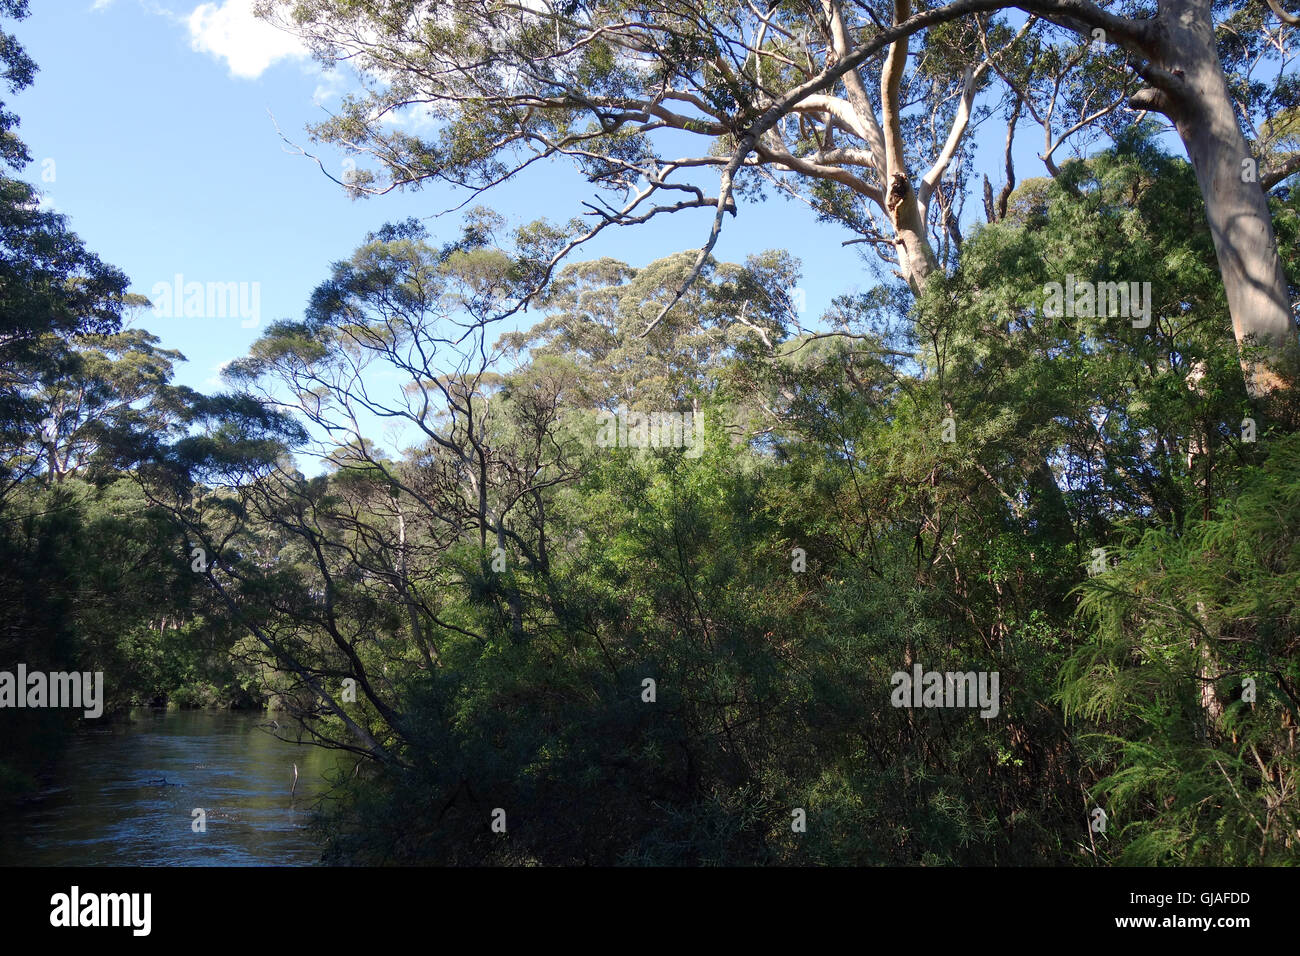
point(397, 338)
point(812, 98)
point(620, 89)
point(101, 392)
point(595, 311)
point(364, 573)
point(52, 288)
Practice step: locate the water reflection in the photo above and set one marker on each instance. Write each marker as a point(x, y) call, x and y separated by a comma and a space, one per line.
point(107, 805)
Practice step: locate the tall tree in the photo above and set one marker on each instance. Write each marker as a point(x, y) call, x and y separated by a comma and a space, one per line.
point(52, 288)
point(810, 92)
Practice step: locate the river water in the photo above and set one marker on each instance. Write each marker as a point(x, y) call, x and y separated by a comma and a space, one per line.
point(104, 806)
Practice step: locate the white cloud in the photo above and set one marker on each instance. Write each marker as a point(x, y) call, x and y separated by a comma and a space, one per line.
point(332, 85)
point(216, 380)
point(40, 202)
point(229, 31)
point(412, 119)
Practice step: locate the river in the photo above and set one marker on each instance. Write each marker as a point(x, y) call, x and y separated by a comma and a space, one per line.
point(101, 808)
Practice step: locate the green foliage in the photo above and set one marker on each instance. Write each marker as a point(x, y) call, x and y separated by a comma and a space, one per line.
point(666, 655)
point(1201, 774)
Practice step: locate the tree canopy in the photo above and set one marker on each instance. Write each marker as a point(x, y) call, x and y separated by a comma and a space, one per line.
point(663, 570)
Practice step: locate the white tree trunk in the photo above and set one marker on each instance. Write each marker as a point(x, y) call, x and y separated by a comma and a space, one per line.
point(1235, 204)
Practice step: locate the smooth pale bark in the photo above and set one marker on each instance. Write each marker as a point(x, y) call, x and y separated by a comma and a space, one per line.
point(1188, 85)
point(403, 589)
point(915, 257)
point(1237, 210)
point(1207, 673)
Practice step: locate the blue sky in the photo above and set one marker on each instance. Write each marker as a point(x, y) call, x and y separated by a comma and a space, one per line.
point(155, 119)
point(158, 119)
